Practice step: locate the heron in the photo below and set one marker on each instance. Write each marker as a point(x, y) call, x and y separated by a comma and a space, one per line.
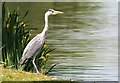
point(36, 44)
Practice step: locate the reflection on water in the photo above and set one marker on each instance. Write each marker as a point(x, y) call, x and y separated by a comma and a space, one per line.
point(85, 38)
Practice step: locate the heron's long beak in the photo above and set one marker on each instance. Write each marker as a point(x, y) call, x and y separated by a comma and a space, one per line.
point(57, 12)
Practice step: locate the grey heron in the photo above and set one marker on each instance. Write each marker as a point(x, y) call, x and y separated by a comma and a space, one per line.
point(36, 44)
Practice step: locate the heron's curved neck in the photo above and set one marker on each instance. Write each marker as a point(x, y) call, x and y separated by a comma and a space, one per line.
point(46, 25)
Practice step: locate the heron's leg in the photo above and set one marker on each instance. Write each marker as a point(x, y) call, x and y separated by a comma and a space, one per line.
point(35, 65)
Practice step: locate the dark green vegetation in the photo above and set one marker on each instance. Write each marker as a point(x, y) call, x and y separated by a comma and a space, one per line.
point(15, 36)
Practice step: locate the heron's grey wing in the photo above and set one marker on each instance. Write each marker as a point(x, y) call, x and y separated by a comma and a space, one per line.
point(33, 47)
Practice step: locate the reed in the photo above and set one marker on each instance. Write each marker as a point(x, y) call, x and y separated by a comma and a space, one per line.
point(15, 37)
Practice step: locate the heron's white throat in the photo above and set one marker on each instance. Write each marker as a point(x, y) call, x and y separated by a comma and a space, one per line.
point(46, 24)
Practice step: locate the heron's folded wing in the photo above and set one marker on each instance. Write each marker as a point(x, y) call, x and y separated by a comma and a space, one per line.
point(33, 47)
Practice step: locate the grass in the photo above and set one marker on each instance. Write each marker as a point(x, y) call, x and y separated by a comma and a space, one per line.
point(17, 75)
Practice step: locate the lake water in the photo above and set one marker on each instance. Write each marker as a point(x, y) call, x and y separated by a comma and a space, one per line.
point(85, 38)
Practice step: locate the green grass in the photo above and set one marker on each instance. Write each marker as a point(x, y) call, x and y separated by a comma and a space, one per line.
point(17, 75)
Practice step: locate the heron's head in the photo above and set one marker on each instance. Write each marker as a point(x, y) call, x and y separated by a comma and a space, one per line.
point(53, 12)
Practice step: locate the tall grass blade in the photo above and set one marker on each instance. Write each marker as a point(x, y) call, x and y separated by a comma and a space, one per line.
point(50, 68)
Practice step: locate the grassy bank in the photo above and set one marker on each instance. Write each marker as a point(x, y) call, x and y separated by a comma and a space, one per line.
point(17, 75)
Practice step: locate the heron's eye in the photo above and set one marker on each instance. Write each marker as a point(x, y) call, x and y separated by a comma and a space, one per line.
point(51, 10)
